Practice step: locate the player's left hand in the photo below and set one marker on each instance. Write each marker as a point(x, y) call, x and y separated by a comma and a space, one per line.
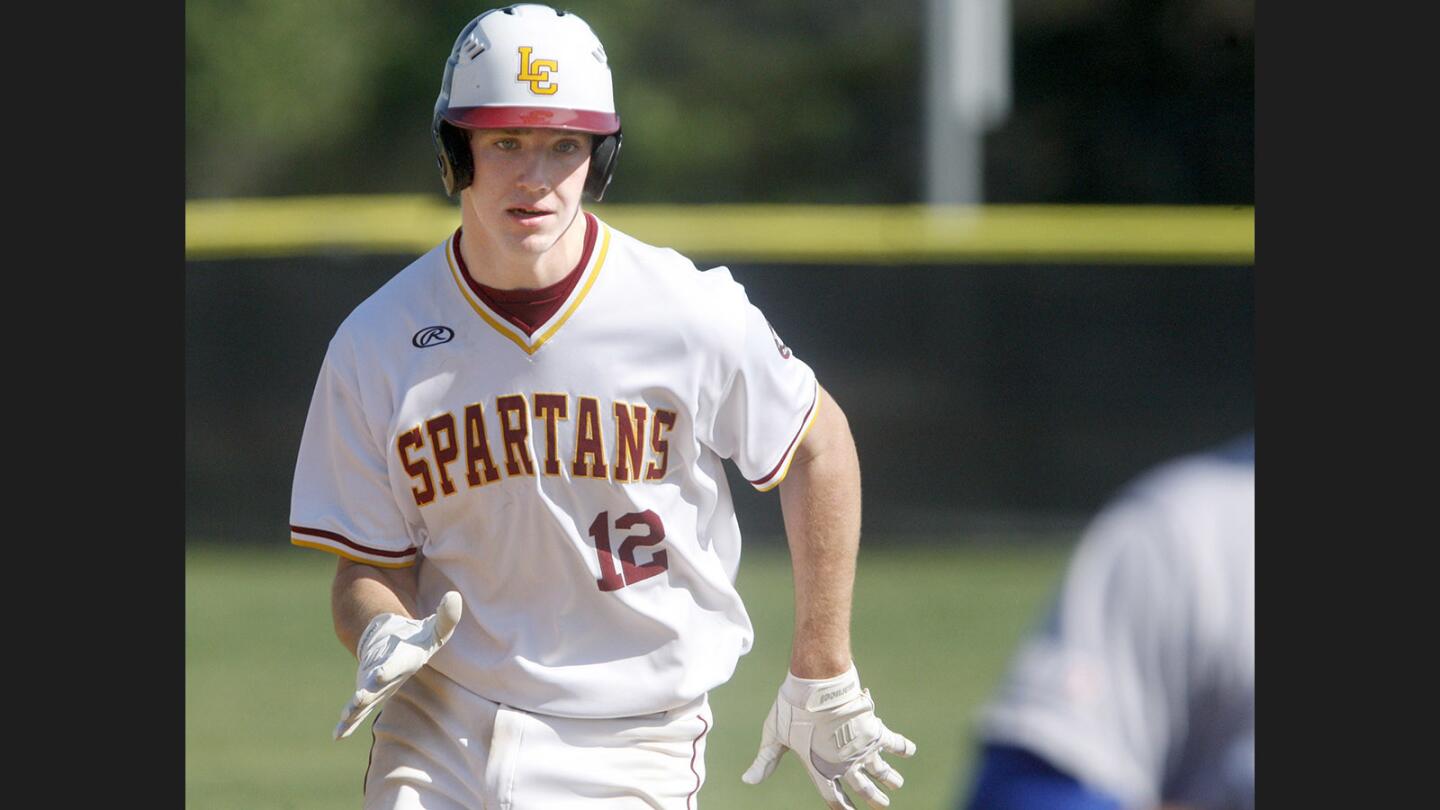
point(831, 726)
point(391, 649)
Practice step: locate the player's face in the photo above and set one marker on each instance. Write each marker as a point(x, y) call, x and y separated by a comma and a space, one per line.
point(527, 186)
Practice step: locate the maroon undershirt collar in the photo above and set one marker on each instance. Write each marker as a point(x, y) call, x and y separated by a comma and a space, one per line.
point(528, 309)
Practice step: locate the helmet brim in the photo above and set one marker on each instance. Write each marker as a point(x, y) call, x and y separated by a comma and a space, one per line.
point(599, 123)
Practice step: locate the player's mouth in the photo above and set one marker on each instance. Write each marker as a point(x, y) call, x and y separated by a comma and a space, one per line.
point(528, 216)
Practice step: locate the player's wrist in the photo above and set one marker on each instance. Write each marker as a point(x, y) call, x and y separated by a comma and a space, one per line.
point(818, 694)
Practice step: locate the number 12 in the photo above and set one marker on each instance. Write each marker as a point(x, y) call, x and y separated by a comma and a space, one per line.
point(610, 579)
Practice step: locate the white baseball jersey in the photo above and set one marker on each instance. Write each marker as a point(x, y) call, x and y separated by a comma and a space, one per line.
point(569, 484)
point(1141, 681)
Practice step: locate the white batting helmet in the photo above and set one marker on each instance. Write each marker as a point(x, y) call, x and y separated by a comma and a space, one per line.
point(519, 67)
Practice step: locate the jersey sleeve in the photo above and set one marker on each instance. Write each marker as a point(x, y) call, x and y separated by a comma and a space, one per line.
point(1098, 689)
point(341, 500)
point(768, 402)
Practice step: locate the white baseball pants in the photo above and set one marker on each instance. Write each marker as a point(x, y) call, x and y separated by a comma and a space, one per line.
point(438, 746)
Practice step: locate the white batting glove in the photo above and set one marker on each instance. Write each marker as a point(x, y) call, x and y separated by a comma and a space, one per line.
point(391, 649)
point(831, 726)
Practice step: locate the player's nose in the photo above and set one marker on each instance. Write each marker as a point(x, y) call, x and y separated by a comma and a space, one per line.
point(532, 176)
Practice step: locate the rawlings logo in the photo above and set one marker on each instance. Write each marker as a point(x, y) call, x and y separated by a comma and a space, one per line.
point(537, 72)
point(826, 697)
point(432, 336)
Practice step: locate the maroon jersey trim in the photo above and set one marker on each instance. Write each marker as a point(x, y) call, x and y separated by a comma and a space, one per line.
point(804, 425)
point(339, 538)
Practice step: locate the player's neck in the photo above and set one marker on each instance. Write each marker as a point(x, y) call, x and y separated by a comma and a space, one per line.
point(504, 266)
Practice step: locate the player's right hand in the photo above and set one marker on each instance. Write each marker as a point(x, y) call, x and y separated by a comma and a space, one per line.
point(391, 649)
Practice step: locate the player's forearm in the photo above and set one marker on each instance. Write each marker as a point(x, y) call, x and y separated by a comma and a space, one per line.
point(359, 593)
point(820, 499)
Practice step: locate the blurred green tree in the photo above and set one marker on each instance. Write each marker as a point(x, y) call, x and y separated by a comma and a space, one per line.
point(745, 100)
point(1132, 101)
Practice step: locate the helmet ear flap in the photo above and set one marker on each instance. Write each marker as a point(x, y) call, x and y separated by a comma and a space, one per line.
point(452, 153)
point(602, 165)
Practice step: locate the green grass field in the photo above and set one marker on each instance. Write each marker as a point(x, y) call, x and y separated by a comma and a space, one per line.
point(265, 678)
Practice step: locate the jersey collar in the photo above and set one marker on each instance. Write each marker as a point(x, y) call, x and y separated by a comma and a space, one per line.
point(532, 343)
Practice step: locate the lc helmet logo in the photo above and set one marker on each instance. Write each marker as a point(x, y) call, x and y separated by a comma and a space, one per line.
point(537, 72)
point(432, 336)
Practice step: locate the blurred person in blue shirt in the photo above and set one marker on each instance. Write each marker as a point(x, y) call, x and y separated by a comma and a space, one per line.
point(1138, 689)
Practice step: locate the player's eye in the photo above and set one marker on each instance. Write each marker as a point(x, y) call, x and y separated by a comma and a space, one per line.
point(567, 147)
point(507, 144)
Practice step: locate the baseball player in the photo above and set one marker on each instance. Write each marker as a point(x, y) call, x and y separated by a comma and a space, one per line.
point(1139, 688)
point(516, 448)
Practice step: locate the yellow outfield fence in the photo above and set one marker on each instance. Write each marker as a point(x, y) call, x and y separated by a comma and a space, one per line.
point(804, 234)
